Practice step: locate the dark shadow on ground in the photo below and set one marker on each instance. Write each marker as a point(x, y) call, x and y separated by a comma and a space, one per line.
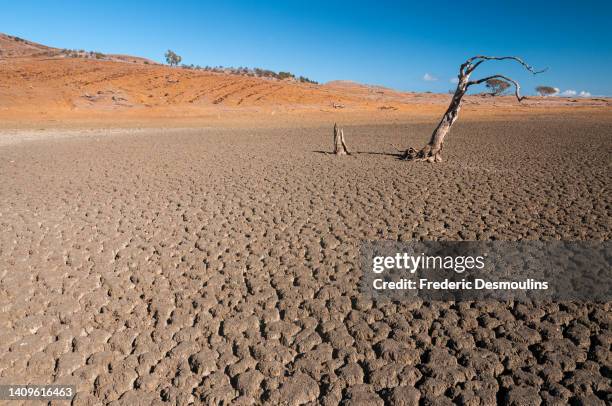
point(395, 154)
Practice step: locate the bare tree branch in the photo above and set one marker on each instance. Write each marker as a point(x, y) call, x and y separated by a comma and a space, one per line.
point(517, 87)
point(470, 67)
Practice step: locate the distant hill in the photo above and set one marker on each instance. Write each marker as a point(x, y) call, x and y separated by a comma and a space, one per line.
point(348, 84)
point(47, 83)
point(15, 47)
point(79, 80)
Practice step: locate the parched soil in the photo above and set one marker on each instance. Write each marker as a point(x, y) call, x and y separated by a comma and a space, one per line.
point(215, 266)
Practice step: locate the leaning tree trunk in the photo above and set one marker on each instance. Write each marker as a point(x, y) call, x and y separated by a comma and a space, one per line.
point(432, 152)
point(339, 143)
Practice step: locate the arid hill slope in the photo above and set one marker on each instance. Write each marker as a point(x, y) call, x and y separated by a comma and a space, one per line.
point(44, 83)
point(14, 47)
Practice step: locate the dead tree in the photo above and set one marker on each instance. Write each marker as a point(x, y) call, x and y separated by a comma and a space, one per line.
point(339, 144)
point(432, 152)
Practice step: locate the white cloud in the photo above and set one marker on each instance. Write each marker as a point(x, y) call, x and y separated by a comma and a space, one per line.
point(573, 93)
point(454, 80)
point(429, 78)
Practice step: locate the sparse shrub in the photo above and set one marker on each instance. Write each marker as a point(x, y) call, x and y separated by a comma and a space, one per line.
point(546, 90)
point(497, 86)
point(304, 79)
point(285, 75)
point(254, 72)
point(264, 73)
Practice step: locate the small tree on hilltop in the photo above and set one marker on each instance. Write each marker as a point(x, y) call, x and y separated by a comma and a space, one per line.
point(546, 90)
point(172, 58)
point(497, 86)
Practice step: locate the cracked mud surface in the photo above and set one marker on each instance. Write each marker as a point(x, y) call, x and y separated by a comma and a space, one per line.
point(220, 266)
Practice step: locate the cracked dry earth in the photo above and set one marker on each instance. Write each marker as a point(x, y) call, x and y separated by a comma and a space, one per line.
point(220, 266)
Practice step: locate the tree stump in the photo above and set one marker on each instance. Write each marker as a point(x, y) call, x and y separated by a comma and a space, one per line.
point(339, 142)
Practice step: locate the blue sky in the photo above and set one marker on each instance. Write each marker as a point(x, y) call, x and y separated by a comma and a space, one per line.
point(390, 43)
